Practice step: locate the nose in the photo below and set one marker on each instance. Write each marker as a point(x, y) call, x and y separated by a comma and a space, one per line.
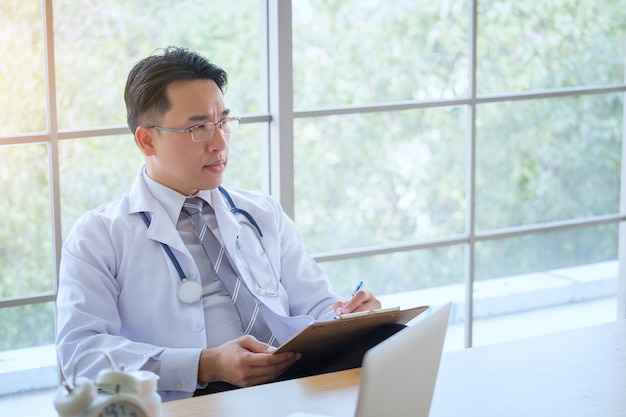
point(218, 142)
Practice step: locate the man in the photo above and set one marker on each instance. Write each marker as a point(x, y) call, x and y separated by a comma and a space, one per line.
point(136, 279)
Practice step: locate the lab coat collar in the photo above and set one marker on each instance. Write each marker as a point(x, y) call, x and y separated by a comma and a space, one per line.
point(162, 221)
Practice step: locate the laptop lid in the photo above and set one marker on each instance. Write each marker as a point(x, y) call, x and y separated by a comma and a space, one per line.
point(398, 375)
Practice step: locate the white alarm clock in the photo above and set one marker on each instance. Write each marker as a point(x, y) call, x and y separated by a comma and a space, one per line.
point(113, 394)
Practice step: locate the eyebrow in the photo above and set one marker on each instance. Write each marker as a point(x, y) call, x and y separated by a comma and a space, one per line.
point(199, 118)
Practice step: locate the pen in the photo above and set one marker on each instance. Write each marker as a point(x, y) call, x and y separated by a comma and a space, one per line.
point(357, 288)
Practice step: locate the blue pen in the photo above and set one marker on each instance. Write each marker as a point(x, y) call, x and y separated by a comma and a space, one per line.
point(357, 288)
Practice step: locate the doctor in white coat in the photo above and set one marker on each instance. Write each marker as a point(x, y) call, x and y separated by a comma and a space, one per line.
point(119, 288)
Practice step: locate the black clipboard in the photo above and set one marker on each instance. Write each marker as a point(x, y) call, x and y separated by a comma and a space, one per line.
point(322, 339)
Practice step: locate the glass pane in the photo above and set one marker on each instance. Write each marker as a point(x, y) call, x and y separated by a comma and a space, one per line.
point(379, 178)
point(94, 171)
point(25, 228)
point(91, 74)
point(355, 52)
point(428, 271)
point(27, 326)
point(22, 89)
point(529, 45)
point(542, 283)
point(28, 366)
point(546, 160)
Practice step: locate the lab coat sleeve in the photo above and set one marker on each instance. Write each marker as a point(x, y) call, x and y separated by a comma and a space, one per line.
point(88, 314)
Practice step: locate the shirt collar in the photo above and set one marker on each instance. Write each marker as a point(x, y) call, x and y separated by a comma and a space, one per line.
point(171, 200)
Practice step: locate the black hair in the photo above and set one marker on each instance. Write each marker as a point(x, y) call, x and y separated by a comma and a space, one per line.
point(145, 93)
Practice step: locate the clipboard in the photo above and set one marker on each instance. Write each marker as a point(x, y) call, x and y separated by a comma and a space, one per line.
point(321, 339)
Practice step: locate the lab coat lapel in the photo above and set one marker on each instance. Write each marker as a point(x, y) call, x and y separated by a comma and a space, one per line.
point(161, 228)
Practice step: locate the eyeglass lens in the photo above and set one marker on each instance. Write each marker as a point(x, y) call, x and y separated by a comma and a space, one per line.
point(206, 131)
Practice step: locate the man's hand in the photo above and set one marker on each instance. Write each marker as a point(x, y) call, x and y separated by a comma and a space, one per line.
point(243, 362)
point(362, 301)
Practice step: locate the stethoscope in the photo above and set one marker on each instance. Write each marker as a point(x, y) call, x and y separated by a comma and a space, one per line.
point(190, 290)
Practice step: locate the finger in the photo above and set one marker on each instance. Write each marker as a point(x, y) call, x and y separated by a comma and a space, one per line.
point(267, 368)
point(253, 345)
point(355, 302)
point(362, 301)
point(269, 360)
point(338, 307)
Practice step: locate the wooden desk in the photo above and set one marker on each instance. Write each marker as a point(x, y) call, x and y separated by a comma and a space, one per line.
point(332, 394)
point(580, 372)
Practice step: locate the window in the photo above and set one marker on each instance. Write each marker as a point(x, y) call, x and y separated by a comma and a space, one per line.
point(466, 148)
point(458, 150)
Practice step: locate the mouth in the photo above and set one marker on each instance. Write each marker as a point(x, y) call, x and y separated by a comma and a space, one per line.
point(217, 166)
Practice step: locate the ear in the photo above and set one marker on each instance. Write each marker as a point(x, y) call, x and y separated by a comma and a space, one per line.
point(145, 140)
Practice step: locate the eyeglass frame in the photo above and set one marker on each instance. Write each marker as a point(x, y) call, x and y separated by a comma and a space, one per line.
point(190, 130)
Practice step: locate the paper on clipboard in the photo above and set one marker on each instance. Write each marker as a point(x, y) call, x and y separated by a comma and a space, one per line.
point(366, 313)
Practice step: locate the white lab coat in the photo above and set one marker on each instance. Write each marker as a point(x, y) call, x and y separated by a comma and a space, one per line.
point(118, 288)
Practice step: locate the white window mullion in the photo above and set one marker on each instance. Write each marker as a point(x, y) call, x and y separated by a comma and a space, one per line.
point(621, 270)
point(470, 174)
point(53, 144)
point(281, 103)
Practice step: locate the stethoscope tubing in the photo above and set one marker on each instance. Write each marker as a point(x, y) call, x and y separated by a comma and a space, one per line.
point(234, 209)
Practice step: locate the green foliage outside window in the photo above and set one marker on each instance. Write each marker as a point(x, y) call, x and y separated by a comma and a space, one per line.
point(378, 178)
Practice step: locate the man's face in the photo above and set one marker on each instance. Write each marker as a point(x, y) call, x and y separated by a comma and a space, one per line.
point(174, 159)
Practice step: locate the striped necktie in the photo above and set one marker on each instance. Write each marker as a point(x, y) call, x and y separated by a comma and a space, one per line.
point(242, 298)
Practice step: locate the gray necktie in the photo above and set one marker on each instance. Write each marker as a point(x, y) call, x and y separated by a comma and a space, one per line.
point(244, 301)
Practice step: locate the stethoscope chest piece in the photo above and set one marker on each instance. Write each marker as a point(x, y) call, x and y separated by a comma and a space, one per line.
point(189, 291)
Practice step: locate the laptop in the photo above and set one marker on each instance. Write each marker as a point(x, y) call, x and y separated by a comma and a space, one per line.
point(398, 375)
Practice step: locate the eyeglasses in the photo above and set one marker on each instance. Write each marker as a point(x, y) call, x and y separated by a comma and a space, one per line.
point(205, 131)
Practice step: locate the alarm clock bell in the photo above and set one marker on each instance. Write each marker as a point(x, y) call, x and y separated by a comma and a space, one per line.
point(114, 393)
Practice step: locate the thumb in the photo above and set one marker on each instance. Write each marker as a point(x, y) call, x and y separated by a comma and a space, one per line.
point(256, 346)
